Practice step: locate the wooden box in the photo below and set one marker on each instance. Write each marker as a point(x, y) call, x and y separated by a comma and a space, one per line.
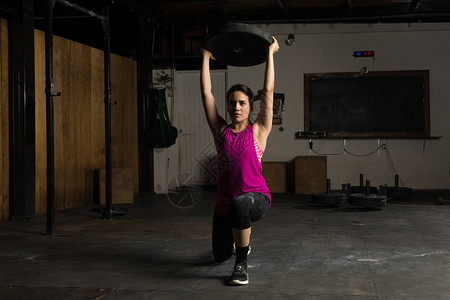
point(275, 175)
point(122, 186)
point(307, 175)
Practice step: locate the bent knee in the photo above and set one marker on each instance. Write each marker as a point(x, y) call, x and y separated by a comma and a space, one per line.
point(221, 257)
point(244, 199)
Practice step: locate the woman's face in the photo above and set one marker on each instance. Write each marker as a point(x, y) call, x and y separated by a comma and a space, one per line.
point(238, 107)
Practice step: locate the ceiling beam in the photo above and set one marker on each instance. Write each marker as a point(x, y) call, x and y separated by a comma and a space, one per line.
point(414, 6)
point(280, 3)
point(219, 11)
point(219, 8)
point(350, 19)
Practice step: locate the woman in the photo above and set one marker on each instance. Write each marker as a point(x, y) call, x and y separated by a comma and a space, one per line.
point(243, 196)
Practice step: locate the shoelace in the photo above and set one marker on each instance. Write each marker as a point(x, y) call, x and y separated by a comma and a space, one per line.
point(240, 268)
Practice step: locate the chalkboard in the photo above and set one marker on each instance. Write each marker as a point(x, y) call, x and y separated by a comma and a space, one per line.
point(381, 104)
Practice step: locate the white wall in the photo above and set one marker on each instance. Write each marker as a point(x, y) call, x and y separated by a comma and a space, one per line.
point(190, 156)
point(324, 48)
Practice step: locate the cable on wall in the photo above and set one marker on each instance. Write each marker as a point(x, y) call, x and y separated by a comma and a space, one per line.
point(384, 147)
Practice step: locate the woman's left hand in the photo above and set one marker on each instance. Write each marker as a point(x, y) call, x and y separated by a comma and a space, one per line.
point(274, 47)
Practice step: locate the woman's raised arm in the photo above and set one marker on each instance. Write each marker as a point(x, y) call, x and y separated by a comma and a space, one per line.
point(265, 115)
point(215, 121)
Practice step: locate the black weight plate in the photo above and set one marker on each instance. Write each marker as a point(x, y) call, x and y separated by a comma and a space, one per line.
point(238, 44)
point(362, 190)
point(328, 199)
point(399, 192)
point(115, 211)
point(370, 201)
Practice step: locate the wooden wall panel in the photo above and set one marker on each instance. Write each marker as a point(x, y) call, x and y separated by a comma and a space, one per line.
point(61, 68)
point(40, 115)
point(79, 121)
point(4, 121)
point(98, 110)
point(124, 115)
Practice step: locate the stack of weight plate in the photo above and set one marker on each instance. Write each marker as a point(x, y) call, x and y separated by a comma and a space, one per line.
point(361, 189)
point(329, 198)
point(368, 200)
point(399, 192)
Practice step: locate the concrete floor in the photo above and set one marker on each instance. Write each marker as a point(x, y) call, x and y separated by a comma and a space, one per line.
point(299, 251)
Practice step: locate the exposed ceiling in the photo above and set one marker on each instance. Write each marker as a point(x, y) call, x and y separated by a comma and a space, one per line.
point(170, 18)
point(294, 11)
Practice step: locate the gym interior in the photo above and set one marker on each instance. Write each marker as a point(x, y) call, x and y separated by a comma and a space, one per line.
point(109, 170)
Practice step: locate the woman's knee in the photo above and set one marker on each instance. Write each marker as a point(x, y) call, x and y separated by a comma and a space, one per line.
point(222, 238)
point(221, 256)
point(222, 249)
point(247, 208)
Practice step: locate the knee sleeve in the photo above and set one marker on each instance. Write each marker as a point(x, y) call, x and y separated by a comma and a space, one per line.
point(240, 211)
point(247, 208)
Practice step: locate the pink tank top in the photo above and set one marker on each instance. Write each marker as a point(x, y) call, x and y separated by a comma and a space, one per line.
point(240, 167)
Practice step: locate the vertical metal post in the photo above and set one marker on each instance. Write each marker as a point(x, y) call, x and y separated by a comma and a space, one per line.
point(145, 151)
point(22, 111)
point(328, 185)
point(367, 188)
point(49, 91)
point(107, 69)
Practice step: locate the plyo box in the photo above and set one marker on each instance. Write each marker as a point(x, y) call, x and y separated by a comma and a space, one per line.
point(122, 186)
point(275, 175)
point(307, 175)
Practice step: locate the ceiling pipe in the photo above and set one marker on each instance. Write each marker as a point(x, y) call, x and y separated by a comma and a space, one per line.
point(347, 19)
point(280, 3)
point(414, 6)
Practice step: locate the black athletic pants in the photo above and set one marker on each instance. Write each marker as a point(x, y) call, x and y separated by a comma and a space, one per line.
point(246, 208)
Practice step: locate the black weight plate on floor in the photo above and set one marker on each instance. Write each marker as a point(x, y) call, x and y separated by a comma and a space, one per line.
point(399, 192)
point(328, 199)
point(362, 190)
point(115, 211)
point(370, 201)
point(238, 44)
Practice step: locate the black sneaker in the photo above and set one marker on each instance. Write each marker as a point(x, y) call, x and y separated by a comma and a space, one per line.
point(240, 274)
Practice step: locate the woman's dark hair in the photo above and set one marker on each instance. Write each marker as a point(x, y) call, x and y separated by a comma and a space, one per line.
point(241, 88)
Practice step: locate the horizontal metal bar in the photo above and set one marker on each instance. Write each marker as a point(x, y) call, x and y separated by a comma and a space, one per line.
point(6, 9)
point(347, 19)
point(62, 17)
point(82, 9)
